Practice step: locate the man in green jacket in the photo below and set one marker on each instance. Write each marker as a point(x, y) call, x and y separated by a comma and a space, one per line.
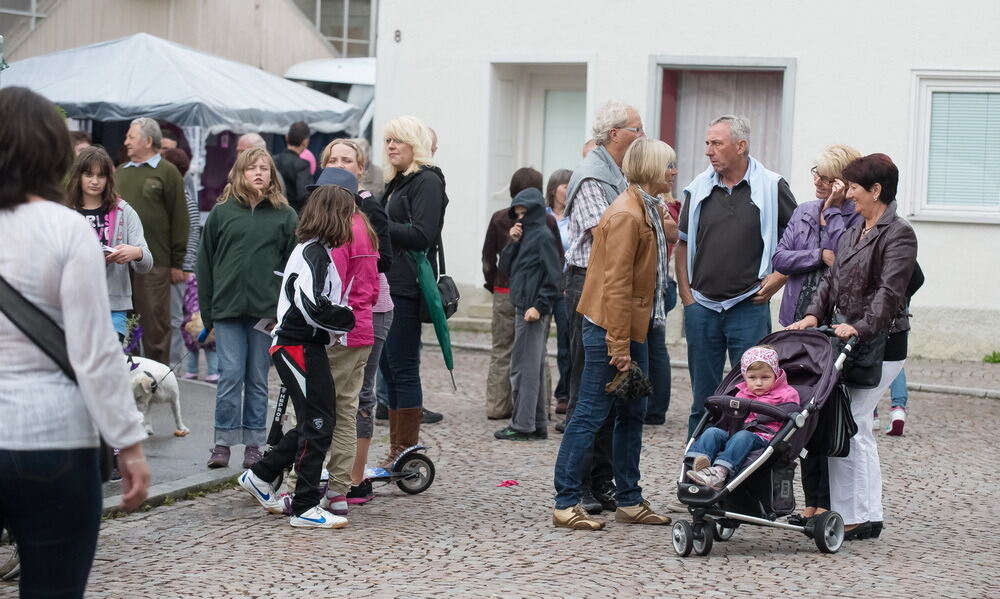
point(155, 189)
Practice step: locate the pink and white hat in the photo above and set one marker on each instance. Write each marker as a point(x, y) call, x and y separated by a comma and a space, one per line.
point(760, 354)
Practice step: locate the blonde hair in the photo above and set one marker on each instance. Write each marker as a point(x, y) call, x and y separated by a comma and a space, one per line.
point(646, 161)
point(832, 161)
point(411, 131)
point(360, 155)
point(241, 190)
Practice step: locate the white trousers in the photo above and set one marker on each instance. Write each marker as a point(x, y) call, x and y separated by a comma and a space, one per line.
point(856, 481)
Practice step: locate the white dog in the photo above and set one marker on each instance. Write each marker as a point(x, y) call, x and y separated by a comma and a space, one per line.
point(152, 381)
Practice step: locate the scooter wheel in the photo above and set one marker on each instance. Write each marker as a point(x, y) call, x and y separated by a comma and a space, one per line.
point(421, 471)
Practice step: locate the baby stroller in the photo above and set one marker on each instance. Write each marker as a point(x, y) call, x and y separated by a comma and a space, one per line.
point(762, 490)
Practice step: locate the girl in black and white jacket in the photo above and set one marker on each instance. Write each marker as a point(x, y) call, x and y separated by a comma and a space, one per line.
point(312, 311)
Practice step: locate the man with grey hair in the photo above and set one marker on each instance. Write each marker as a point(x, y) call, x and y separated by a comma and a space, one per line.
point(154, 188)
point(595, 183)
point(734, 213)
point(250, 140)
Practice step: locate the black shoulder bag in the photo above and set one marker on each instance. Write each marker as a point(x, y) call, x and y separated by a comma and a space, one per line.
point(50, 338)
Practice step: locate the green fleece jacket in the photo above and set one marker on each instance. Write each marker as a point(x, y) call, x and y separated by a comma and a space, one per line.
point(242, 254)
point(157, 196)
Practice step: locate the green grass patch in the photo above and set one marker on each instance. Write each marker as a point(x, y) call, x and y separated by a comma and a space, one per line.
point(992, 358)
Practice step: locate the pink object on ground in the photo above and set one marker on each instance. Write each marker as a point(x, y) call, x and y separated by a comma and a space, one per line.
point(508, 483)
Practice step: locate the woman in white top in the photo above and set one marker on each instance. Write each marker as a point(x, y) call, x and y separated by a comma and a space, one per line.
point(50, 488)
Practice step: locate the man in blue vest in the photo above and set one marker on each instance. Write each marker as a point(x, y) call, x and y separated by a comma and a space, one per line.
point(595, 183)
point(733, 215)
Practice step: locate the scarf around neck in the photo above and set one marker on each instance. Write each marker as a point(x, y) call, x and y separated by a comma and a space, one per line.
point(653, 205)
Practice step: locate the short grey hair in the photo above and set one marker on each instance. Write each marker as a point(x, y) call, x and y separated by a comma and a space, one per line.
point(613, 115)
point(253, 140)
point(149, 128)
point(739, 127)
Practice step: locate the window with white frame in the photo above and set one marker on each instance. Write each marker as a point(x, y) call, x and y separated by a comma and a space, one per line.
point(955, 172)
point(347, 24)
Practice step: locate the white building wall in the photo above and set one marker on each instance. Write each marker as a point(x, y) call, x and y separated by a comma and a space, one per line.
point(853, 61)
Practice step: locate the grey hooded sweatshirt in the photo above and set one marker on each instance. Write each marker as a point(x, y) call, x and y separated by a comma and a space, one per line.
point(128, 231)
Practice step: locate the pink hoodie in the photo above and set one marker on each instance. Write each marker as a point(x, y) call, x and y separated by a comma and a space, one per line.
point(780, 393)
point(357, 264)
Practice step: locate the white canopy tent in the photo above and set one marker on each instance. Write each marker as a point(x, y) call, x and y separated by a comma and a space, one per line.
point(143, 75)
point(359, 73)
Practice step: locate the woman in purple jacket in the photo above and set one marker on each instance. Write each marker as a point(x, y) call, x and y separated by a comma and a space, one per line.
point(805, 252)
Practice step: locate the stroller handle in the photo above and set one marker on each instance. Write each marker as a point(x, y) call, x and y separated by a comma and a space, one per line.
point(848, 346)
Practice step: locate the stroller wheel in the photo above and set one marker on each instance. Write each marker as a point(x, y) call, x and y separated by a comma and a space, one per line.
point(704, 536)
point(828, 531)
point(421, 470)
point(683, 538)
point(723, 532)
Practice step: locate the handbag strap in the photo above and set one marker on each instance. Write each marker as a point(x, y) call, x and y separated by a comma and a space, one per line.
point(36, 326)
point(438, 243)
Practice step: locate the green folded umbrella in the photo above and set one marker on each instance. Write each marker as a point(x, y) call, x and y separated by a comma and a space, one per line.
point(432, 298)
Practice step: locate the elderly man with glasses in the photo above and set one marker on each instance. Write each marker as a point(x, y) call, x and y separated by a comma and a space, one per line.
point(595, 183)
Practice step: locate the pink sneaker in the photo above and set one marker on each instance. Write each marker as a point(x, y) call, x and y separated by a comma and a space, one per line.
point(189, 376)
point(212, 378)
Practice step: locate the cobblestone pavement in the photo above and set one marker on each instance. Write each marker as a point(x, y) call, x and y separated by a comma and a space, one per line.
point(465, 537)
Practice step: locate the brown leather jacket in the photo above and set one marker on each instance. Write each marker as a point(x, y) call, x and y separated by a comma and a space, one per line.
point(621, 277)
point(868, 280)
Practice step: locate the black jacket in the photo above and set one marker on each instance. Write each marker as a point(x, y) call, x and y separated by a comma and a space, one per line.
point(415, 204)
point(532, 263)
point(295, 173)
point(373, 209)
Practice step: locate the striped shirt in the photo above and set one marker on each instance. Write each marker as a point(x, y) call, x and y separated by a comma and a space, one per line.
point(194, 232)
point(588, 208)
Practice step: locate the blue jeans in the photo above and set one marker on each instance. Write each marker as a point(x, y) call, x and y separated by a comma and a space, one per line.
point(211, 361)
point(592, 408)
point(898, 392)
point(659, 374)
point(50, 500)
point(241, 397)
point(710, 335)
point(400, 361)
point(562, 344)
point(726, 451)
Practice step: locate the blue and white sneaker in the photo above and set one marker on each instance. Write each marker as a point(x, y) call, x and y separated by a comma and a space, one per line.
point(262, 492)
point(315, 517)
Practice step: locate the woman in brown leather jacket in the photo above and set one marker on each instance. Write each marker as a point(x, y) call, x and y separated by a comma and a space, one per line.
point(624, 289)
point(866, 290)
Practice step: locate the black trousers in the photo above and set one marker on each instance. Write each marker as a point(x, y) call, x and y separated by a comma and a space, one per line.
point(50, 500)
point(305, 372)
point(816, 481)
point(597, 470)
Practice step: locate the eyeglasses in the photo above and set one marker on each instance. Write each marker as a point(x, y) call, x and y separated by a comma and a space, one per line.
point(633, 129)
point(821, 178)
point(672, 166)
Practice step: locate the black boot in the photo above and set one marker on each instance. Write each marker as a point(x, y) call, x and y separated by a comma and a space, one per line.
point(605, 494)
point(589, 503)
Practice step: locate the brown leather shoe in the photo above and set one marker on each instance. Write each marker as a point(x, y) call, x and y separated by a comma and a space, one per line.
point(576, 518)
point(640, 514)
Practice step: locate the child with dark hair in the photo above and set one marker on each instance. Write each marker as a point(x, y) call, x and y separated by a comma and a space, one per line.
point(532, 263)
point(310, 317)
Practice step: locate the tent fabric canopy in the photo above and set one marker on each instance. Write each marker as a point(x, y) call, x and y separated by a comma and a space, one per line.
point(143, 75)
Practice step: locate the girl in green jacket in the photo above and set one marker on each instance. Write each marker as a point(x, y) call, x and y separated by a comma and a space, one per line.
point(245, 243)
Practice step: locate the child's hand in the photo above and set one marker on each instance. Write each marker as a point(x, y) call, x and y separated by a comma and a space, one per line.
point(531, 315)
point(515, 232)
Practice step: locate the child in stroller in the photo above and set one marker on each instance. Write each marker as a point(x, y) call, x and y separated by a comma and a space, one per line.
point(763, 380)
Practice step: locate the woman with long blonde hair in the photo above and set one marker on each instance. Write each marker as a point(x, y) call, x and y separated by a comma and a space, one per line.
point(415, 202)
point(247, 237)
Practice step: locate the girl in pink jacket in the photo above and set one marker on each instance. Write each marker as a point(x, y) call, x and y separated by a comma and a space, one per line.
point(356, 262)
point(716, 454)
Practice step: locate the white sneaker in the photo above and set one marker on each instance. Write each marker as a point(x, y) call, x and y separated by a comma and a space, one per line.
point(262, 491)
point(897, 420)
point(316, 517)
point(876, 423)
point(336, 504)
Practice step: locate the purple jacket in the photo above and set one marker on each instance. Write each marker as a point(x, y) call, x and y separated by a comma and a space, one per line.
point(800, 248)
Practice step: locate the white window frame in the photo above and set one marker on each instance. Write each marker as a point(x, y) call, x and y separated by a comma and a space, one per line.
point(925, 83)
